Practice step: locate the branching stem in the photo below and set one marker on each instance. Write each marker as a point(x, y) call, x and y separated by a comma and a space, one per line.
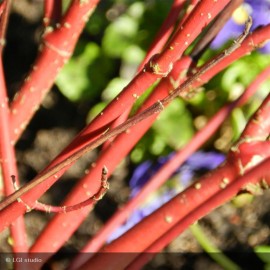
point(157, 107)
point(65, 209)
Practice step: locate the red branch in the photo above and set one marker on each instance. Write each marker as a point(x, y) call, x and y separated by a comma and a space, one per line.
point(8, 166)
point(57, 48)
point(258, 176)
point(4, 14)
point(176, 53)
point(44, 186)
point(120, 147)
point(88, 202)
point(7, 151)
point(52, 12)
point(165, 31)
point(86, 185)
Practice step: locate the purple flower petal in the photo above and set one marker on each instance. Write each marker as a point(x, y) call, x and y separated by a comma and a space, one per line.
point(230, 30)
point(186, 175)
point(140, 176)
point(203, 160)
point(199, 160)
point(260, 12)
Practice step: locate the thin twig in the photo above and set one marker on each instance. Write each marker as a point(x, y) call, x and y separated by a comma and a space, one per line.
point(52, 12)
point(3, 23)
point(214, 29)
point(65, 209)
point(183, 89)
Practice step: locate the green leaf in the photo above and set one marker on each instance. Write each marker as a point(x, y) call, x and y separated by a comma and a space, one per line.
point(174, 125)
point(244, 70)
point(213, 251)
point(65, 4)
point(95, 110)
point(133, 54)
point(263, 252)
point(113, 88)
point(136, 10)
point(232, 74)
point(238, 122)
point(157, 145)
point(119, 35)
point(242, 200)
point(73, 81)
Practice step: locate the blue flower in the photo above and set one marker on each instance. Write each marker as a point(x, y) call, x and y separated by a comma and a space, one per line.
point(182, 178)
point(260, 13)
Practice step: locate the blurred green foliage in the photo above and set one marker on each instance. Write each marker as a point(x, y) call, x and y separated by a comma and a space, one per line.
point(106, 58)
point(263, 252)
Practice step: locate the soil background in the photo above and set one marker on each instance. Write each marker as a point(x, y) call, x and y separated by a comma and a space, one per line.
point(234, 230)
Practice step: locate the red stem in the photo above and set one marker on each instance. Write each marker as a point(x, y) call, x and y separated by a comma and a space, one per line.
point(146, 76)
point(203, 13)
point(243, 49)
point(87, 185)
point(9, 167)
point(62, 51)
point(165, 31)
point(214, 29)
point(88, 202)
point(7, 151)
point(106, 158)
point(4, 14)
point(118, 149)
point(159, 222)
point(69, 150)
point(52, 12)
point(260, 126)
